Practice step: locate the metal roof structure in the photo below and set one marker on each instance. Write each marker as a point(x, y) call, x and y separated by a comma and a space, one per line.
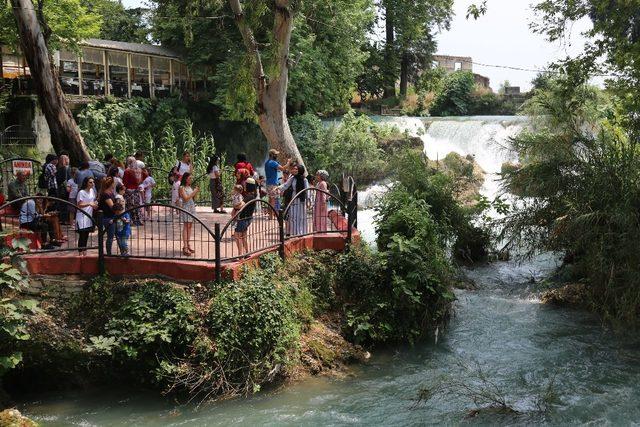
point(145, 49)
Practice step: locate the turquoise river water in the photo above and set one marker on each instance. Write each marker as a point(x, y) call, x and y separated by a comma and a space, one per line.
point(525, 349)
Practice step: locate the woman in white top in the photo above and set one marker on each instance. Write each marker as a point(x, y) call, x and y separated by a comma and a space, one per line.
point(86, 201)
point(215, 184)
point(183, 166)
point(296, 216)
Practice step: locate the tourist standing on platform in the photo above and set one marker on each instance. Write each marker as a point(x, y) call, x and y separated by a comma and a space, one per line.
point(86, 201)
point(147, 189)
point(296, 216)
point(114, 173)
point(50, 173)
point(83, 173)
point(63, 173)
point(106, 202)
point(215, 184)
point(242, 163)
point(241, 176)
point(132, 180)
point(186, 196)
point(72, 191)
point(123, 221)
point(271, 169)
point(245, 216)
point(184, 166)
point(320, 214)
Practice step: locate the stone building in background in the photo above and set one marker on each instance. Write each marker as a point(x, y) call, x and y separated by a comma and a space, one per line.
point(460, 63)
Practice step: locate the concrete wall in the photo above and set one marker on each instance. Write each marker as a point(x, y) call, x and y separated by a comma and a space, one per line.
point(448, 63)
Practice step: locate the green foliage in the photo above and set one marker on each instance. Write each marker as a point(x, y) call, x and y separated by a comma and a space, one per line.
point(14, 312)
point(352, 147)
point(488, 103)
point(431, 80)
point(414, 24)
point(578, 192)
point(325, 55)
point(162, 130)
point(118, 23)
point(154, 319)
point(69, 21)
point(455, 97)
point(253, 325)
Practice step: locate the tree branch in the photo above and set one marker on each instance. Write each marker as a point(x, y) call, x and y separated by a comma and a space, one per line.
point(250, 44)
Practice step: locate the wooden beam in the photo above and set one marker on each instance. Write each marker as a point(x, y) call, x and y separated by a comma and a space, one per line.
point(80, 84)
point(128, 75)
point(152, 94)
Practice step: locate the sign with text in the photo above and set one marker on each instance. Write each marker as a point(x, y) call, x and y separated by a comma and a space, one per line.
point(25, 166)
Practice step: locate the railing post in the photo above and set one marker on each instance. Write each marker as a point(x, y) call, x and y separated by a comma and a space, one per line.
point(218, 238)
point(349, 225)
point(101, 264)
point(281, 231)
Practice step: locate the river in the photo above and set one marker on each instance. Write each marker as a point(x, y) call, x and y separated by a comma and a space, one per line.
point(553, 366)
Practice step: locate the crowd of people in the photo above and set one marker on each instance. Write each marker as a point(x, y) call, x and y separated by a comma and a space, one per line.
point(120, 189)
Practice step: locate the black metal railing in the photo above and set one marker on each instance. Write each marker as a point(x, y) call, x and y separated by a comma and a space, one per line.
point(17, 135)
point(171, 232)
point(54, 227)
point(164, 232)
point(255, 228)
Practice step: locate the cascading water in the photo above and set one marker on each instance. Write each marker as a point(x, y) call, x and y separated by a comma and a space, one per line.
point(483, 137)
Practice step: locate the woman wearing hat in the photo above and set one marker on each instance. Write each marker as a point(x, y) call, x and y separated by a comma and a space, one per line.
point(320, 205)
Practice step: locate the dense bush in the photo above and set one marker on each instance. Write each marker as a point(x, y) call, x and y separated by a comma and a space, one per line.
point(578, 188)
point(454, 99)
point(404, 290)
point(253, 326)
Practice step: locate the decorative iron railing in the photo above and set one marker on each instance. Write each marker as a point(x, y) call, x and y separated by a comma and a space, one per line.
point(53, 227)
point(163, 231)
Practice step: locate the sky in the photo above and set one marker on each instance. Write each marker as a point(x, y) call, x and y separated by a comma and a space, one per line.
point(501, 37)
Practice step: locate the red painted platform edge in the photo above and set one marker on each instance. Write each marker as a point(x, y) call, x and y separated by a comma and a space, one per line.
point(182, 270)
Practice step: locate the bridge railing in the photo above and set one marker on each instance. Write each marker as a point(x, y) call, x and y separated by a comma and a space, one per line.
point(55, 227)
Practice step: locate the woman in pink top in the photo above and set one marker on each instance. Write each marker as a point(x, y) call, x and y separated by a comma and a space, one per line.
point(320, 215)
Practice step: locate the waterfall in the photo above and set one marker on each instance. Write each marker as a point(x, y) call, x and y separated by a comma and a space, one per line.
point(484, 137)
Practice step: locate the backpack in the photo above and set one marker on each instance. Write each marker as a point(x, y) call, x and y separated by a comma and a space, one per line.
point(42, 182)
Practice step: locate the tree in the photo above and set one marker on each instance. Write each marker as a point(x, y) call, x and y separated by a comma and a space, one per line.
point(260, 67)
point(118, 23)
point(34, 34)
point(409, 43)
point(455, 97)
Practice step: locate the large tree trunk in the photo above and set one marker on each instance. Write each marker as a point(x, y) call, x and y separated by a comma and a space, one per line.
point(404, 74)
point(65, 134)
point(272, 90)
point(389, 53)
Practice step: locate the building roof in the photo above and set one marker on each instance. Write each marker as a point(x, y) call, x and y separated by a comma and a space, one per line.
point(145, 49)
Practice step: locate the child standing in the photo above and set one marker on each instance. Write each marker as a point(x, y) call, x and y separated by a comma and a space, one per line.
point(147, 186)
point(123, 221)
point(72, 190)
point(236, 199)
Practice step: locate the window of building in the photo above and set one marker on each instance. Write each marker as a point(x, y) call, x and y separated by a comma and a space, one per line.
point(117, 73)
